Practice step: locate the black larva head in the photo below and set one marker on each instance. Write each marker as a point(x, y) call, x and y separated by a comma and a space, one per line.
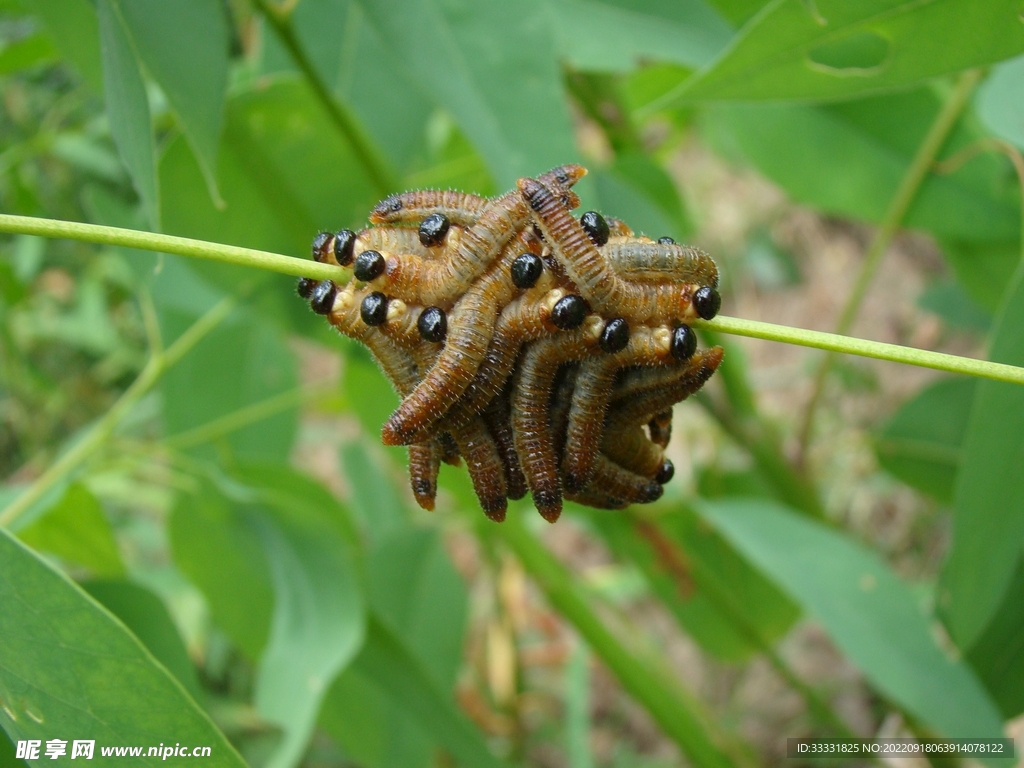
point(569, 312)
point(305, 287)
point(666, 241)
point(665, 472)
point(321, 245)
point(433, 324)
point(433, 229)
point(707, 301)
point(526, 270)
point(684, 342)
point(344, 243)
point(369, 265)
point(321, 299)
point(615, 335)
point(595, 226)
point(374, 309)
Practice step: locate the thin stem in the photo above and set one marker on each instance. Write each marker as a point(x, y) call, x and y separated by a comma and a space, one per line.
point(365, 151)
point(891, 223)
point(181, 246)
point(878, 350)
point(150, 241)
point(241, 418)
point(679, 715)
point(158, 363)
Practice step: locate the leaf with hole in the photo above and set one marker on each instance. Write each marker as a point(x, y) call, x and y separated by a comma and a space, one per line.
point(867, 146)
point(829, 49)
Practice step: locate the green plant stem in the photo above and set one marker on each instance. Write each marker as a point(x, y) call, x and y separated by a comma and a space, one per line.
point(150, 241)
point(241, 418)
point(679, 715)
point(833, 342)
point(907, 190)
point(181, 246)
point(348, 124)
point(101, 431)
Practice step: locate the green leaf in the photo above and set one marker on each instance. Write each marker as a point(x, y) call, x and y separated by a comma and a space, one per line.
point(75, 31)
point(317, 625)
point(59, 652)
point(276, 518)
point(988, 528)
point(147, 617)
point(361, 72)
point(998, 655)
point(829, 49)
point(25, 53)
point(1001, 101)
point(984, 269)
point(615, 35)
point(951, 302)
point(219, 553)
point(577, 709)
point(386, 661)
point(374, 496)
point(872, 615)
point(413, 590)
point(128, 107)
point(284, 174)
point(243, 362)
point(75, 529)
point(503, 88)
point(724, 590)
point(867, 146)
point(925, 451)
point(184, 46)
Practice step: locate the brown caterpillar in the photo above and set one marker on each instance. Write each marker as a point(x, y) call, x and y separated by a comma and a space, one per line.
point(543, 349)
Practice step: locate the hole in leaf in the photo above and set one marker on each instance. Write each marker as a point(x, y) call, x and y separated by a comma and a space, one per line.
point(861, 53)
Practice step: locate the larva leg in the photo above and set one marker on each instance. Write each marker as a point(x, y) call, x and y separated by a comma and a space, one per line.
point(531, 405)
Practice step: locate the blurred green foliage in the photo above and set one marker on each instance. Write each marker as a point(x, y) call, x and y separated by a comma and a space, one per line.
point(189, 584)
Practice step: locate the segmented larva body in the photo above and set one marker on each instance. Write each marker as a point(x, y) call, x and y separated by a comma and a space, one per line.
point(545, 350)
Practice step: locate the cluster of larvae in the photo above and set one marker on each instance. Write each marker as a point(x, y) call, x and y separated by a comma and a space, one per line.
point(544, 350)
